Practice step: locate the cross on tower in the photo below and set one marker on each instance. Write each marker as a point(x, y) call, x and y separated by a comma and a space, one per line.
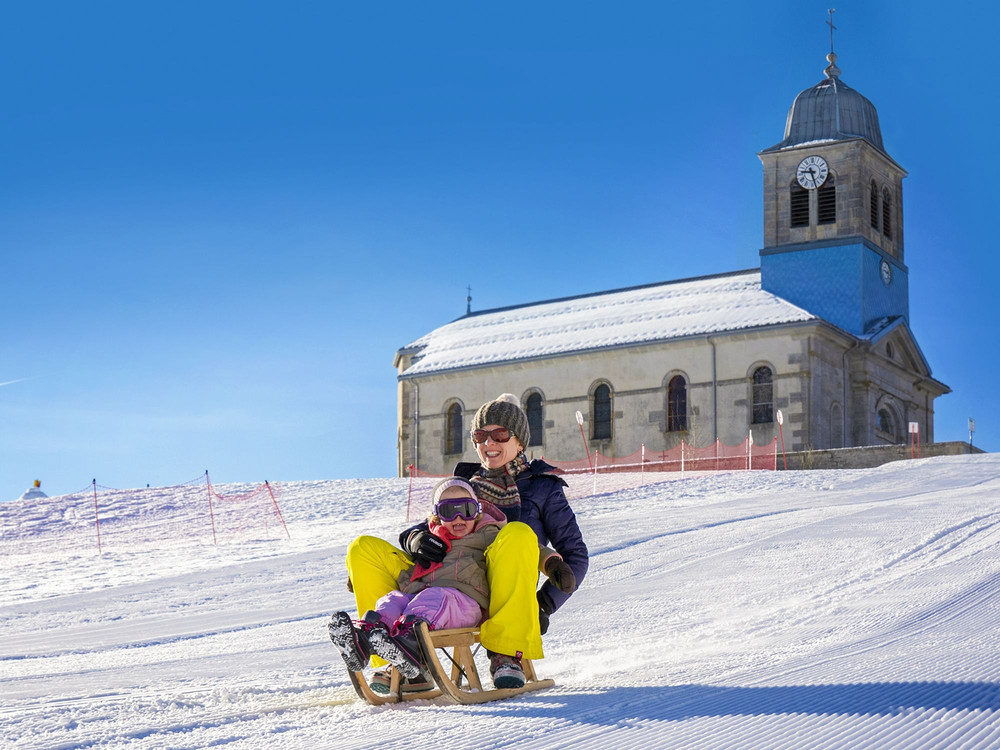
point(829, 23)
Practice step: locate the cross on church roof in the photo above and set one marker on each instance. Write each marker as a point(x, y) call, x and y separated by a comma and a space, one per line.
point(832, 71)
point(829, 23)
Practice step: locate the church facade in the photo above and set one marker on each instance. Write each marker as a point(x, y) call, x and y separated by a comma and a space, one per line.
point(819, 331)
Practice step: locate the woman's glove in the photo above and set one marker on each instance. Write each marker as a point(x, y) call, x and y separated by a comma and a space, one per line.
point(561, 575)
point(544, 610)
point(425, 548)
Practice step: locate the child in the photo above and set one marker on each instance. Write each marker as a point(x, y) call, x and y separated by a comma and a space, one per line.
point(449, 594)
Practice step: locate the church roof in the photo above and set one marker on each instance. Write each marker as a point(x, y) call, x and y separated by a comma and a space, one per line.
point(830, 111)
point(616, 318)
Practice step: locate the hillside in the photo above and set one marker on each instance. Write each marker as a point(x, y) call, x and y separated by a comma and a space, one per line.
point(765, 609)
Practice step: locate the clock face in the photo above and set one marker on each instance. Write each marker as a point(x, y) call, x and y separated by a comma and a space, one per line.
point(812, 172)
point(885, 271)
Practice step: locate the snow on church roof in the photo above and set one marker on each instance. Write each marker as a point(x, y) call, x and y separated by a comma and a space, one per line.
point(622, 317)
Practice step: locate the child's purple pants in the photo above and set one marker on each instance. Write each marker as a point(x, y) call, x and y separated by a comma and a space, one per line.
point(441, 606)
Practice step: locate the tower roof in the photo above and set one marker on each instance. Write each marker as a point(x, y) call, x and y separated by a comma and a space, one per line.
point(830, 111)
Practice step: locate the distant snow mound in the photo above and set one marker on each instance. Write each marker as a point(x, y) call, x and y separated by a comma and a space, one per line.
point(33, 493)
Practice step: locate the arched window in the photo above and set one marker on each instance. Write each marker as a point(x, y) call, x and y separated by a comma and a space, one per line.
point(602, 413)
point(763, 396)
point(677, 404)
point(453, 432)
point(826, 202)
point(836, 427)
point(873, 206)
point(887, 214)
point(799, 206)
point(533, 408)
point(886, 423)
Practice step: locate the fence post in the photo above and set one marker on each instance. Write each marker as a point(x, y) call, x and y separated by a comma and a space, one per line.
point(409, 492)
point(267, 526)
point(211, 512)
point(781, 434)
point(276, 508)
point(642, 465)
point(597, 454)
point(579, 421)
point(749, 448)
point(682, 459)
point(97, 516)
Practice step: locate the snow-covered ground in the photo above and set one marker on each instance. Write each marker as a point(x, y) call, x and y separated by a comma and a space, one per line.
point(766, 609)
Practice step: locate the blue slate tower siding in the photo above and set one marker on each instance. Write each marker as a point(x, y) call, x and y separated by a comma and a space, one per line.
point(839, 283)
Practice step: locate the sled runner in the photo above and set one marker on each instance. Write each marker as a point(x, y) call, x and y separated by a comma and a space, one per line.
point(461, 684)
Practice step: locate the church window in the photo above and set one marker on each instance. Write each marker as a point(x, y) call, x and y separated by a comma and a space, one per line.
point(873, 206)
point(676, 404)
point(799, 211)
point(602, 413)
point(533, 408)
point(886, 423)
point(453, 429)
point(763, 396)
point(887, 214)
point(889, 351)
point(826, 202)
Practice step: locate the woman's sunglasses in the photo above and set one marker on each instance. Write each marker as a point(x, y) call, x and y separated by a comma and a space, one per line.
point(449, 510)
point(498, 435)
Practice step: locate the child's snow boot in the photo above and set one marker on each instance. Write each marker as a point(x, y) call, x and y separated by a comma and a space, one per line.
point(350, 640)
point(399, 648)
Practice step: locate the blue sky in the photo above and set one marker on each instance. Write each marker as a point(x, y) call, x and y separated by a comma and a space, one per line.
point(218, 221)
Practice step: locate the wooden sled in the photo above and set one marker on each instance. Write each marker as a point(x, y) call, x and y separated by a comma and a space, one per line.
point(463, 671)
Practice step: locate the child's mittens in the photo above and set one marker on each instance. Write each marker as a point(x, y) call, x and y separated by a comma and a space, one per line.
point(560, 574)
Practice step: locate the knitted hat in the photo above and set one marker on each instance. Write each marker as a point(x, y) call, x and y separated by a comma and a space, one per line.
point(505, 410)
point(444, 484)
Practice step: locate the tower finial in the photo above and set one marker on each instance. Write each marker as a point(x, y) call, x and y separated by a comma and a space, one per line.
point(468, 301)
point(831, 70)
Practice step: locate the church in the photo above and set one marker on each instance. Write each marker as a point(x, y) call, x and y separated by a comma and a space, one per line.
point(820, 331)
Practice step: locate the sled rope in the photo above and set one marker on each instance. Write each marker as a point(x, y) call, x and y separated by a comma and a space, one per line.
point(461, 672)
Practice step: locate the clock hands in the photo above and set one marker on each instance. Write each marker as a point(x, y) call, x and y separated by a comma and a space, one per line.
point(811, 172)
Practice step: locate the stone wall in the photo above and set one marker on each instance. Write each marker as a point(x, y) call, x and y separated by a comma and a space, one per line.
point(870, 456)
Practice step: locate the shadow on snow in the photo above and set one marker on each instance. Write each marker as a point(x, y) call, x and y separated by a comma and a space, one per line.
point(675, 703)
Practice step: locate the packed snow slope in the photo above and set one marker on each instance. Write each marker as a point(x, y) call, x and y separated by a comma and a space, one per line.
point(767, 609)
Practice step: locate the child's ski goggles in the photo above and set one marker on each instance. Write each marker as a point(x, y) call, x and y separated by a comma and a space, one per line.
point(449, 510)
point(499, 435)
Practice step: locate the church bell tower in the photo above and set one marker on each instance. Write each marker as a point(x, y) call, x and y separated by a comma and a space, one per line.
point(833, 211)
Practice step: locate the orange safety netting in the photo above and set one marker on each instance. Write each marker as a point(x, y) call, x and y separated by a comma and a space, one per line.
point(99, 518)
point(746, 456)
point(683, 457)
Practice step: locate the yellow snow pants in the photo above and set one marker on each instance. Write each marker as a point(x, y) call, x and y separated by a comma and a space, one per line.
point(373, 566)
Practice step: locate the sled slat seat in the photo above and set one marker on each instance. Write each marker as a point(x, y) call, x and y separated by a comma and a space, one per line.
point(449, 682)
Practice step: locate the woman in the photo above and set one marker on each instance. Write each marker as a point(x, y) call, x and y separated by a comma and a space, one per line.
point(537, 513)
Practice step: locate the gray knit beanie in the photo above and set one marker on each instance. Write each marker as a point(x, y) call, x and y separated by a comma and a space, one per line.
point(505, 410)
